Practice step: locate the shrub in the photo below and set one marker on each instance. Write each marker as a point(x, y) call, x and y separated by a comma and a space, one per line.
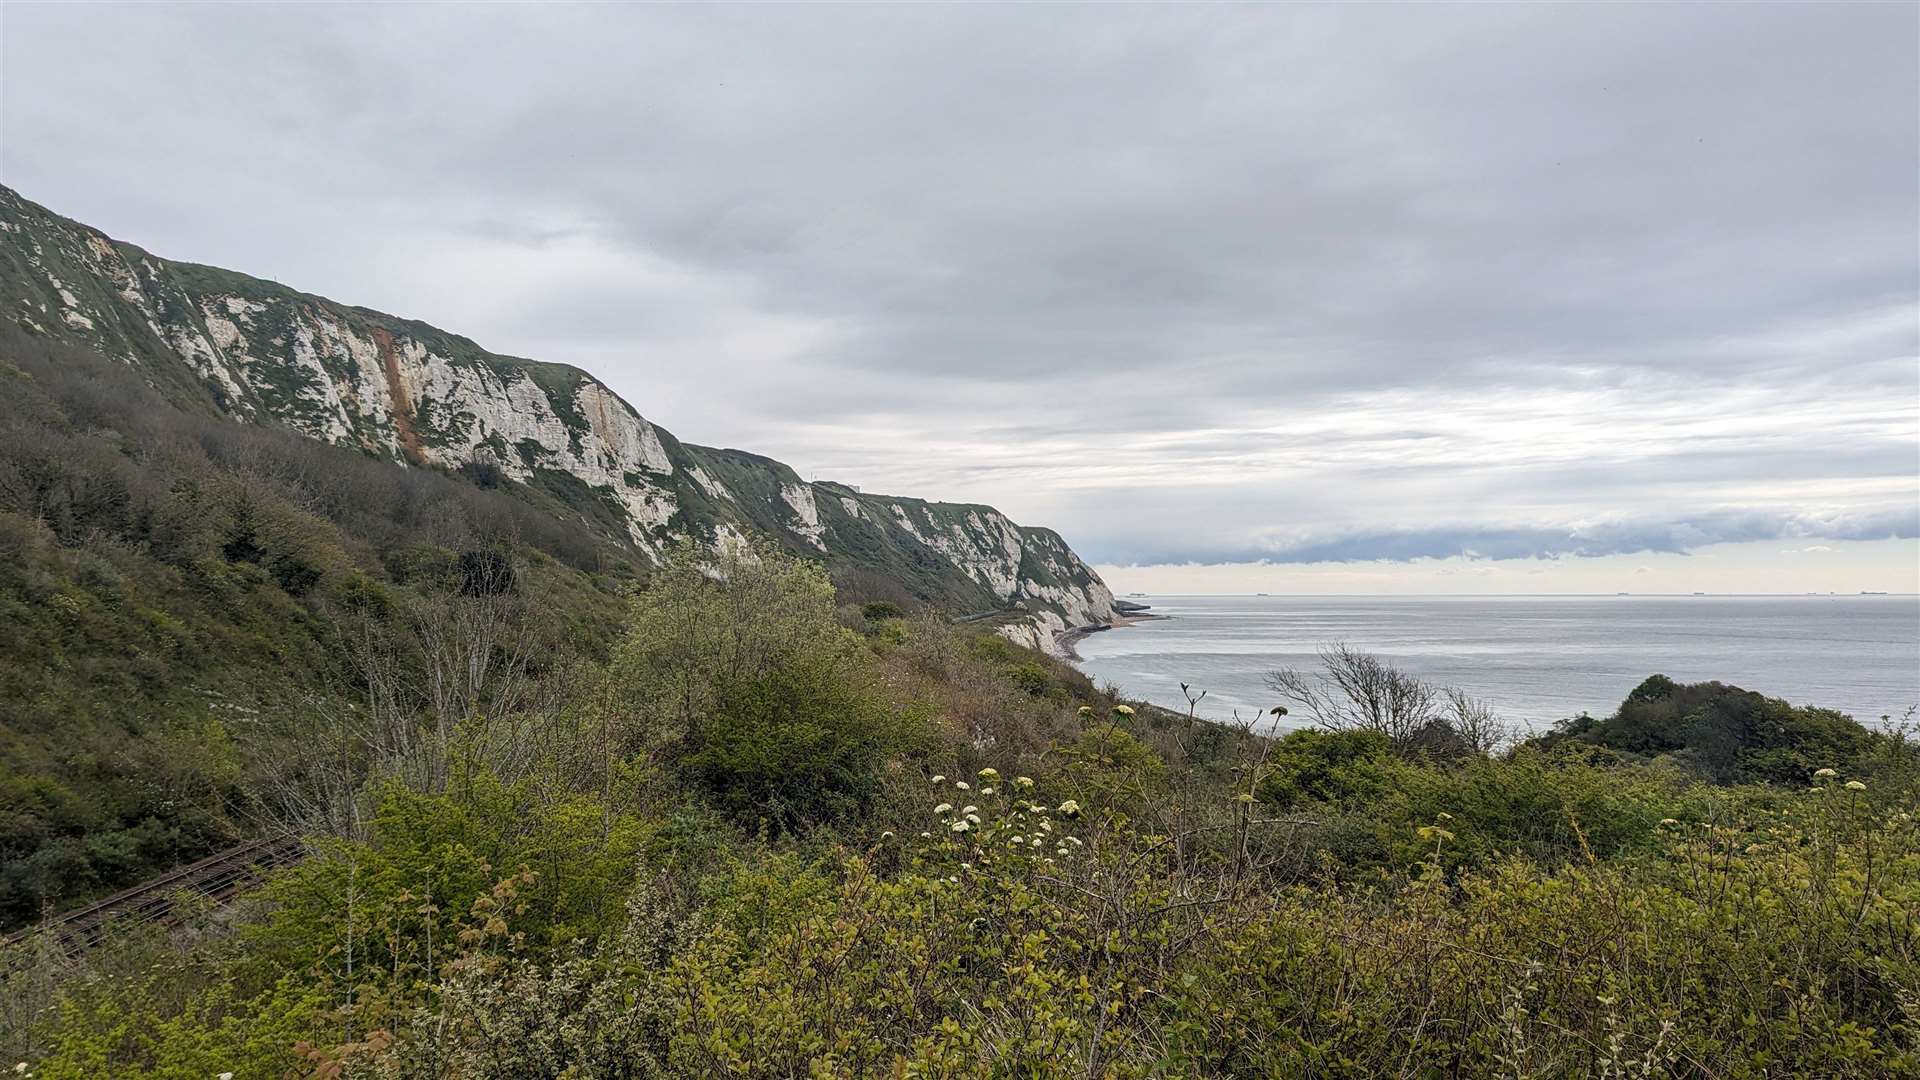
point(799, 744)
point(1309, 765)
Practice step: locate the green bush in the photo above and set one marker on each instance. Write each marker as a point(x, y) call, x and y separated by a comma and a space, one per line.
point(1310, 765)
point(1724, 733)
point(800, 744)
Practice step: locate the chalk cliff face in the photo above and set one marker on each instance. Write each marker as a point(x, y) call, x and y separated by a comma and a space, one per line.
point(260, 352)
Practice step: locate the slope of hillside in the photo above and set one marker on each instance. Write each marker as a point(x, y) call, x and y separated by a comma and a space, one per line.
point(401, 390)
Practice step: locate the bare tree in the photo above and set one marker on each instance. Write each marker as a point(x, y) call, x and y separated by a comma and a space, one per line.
point(446, 678)
point(1475, 722)
point(1356, 691)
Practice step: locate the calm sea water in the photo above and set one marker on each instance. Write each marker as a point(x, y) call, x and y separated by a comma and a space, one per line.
point(1538, 659)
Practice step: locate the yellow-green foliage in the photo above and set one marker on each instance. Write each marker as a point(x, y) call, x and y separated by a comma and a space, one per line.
point(1009, 935)
point(720, 860)
point(754, 688)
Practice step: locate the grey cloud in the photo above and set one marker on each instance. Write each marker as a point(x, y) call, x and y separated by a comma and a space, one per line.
point(1321, 272)
point(1619, 538)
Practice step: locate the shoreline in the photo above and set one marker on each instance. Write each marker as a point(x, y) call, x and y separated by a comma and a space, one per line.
point(1065, 640)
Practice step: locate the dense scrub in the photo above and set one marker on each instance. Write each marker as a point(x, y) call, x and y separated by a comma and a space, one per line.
point(771, 837)
point(180, 595)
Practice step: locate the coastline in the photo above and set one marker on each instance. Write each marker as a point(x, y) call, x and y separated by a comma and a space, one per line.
point(1065, 640)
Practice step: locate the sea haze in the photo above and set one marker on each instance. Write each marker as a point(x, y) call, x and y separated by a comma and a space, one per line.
point(1536, 658)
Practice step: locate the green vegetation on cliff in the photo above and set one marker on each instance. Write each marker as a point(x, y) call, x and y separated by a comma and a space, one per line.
point(180, 594)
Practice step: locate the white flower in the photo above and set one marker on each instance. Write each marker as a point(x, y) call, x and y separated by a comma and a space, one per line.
point(1855, 785)
point(1123, 710)
point(1825, 772)
point(989, 773)
point(943, 808)
point(939, 778)
point(224, 1076)
point(1037, 841)
point(970, 810)
point(967, 866)
point(886, 836)
point(1023, 781)
point(21, 1068)
point(1070, 808)
point(975, 818)
point(926, 836)
point(986, 791)
point(1045, 825)
point(962, 825)
point(963, 785)
point(1017, 839)
point(1074, 840)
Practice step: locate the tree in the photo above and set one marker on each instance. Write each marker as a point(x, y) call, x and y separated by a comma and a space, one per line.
point(1356, 691)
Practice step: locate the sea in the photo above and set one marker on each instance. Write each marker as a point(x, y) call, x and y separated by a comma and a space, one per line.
point(1536, 659)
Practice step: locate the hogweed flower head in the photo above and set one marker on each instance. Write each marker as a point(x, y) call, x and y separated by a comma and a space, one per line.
point(1855, 785)
point(989, 773)
point(1123, 710)
point(943, 808)
point(939, 778)
point(1824, 772)
point(1023, 781)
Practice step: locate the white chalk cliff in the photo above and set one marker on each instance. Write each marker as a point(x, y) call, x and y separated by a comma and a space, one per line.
point(260, 352)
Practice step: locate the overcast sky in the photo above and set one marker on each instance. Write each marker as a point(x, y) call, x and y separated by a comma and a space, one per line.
point(1439, 298)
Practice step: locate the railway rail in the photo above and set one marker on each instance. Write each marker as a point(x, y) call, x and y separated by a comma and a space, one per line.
point(216, 878)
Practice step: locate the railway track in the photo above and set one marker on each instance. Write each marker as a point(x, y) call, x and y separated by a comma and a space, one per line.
point(216, 878)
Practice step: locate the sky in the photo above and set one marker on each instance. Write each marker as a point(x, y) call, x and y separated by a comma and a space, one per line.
point(1287, 298)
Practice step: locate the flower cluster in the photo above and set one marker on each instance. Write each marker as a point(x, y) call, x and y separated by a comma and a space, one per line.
point(997, 829)
point(1820, 775)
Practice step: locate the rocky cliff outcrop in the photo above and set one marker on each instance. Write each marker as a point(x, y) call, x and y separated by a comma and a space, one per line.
point(260, 352)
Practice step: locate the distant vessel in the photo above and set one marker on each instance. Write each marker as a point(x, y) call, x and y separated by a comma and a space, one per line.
point(1874, 592)
point(1699, 594)
point(1260, 594)
point(1136, 594)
